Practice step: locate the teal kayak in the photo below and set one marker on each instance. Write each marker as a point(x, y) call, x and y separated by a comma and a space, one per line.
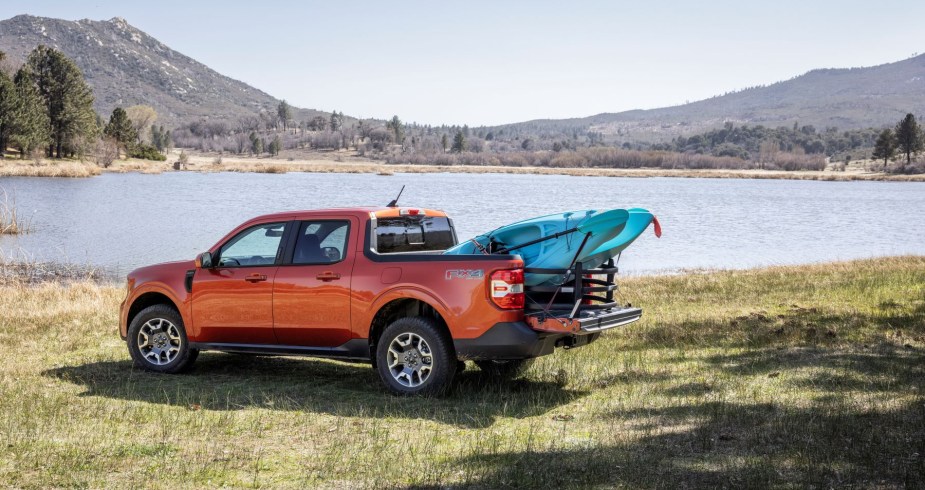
point(550, 242)
point(639, 219)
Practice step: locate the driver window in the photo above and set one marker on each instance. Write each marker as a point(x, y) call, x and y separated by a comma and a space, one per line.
point(253, 247)
point(321, 242)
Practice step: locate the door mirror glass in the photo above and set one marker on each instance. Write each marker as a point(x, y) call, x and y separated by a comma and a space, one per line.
point(204, 260)
point(331, 253)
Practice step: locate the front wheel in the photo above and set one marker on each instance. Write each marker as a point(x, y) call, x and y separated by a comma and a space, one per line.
point(157, 341)
point(415, 357)
point(505, 369)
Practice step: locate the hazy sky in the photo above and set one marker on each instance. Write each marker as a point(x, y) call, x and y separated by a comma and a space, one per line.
point(493, 62)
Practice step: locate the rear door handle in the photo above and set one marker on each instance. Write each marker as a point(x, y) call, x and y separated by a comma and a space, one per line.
point(328, 276)
point(256, 278)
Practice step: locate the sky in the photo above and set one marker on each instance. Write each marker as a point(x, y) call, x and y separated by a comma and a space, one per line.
point(493, 62)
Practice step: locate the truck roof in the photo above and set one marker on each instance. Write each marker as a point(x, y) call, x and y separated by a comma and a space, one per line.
point(377, 211)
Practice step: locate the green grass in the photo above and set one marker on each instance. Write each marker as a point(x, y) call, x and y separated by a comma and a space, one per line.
point(784, 377)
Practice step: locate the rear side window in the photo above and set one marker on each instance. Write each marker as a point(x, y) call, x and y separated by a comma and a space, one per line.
point(321, 242)
point(414, 234)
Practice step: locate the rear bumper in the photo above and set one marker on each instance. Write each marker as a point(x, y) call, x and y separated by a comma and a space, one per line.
point(516, 340)
point(506, 340)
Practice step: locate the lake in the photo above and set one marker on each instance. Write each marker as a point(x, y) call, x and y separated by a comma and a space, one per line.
point(121, 221)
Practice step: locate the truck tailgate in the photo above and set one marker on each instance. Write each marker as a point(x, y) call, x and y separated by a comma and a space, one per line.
point(585, 321)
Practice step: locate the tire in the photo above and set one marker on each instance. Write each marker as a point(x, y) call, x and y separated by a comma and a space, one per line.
point(415, 357)
point(157, 341)
point(511, 369)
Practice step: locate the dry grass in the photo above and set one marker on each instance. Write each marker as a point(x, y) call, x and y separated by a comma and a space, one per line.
point(10, 221)
point(22, 270)
point(140, 166)
point(786, 377)
point(347, 162)
point(63, 168)
point(268, 165)
point(268, 169)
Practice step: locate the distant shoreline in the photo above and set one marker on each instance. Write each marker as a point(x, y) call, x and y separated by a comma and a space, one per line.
point(349, 162)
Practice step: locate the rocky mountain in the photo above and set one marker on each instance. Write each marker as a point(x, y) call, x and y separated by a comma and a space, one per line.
point(846, 98)
point(125, 67)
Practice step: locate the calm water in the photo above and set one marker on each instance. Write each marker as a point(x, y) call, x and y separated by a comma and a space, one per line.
point(121, 221)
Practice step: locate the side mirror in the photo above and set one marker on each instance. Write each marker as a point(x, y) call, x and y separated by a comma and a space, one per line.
point(204, 260)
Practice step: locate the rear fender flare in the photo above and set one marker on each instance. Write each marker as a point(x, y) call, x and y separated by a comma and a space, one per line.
point(408, 292)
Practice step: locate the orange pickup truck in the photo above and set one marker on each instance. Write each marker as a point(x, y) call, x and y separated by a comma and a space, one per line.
point(360, 284)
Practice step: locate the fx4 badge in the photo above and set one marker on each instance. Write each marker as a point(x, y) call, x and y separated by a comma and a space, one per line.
point(465, 274)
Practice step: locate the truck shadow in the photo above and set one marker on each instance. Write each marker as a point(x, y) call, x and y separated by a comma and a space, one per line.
point(233, 382)
point(728, 445)
point(841, 418)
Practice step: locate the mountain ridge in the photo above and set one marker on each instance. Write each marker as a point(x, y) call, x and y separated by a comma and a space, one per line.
point(126, 66)
point(847, 98)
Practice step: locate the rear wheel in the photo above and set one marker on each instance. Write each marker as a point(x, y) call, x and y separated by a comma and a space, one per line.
point(157, 341)
point(415, 357)
point(505, 369)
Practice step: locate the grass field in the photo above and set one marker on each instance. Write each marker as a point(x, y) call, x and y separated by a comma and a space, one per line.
point(807, 376)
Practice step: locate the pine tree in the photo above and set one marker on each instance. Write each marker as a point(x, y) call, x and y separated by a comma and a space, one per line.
point(909, 137)
point(444, 141)
point(459, 142)
point(8, 103)
point(31, 127)
point(335, 121)
point(120, 128)
point(67, 97)
point(256, 145)
point(156, 136)
point(396, 126)
point(284, 112)
point(885, 147)
point(275, 146)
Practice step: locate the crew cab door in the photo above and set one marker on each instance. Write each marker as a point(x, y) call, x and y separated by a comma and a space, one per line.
point(233, 302)
point(311, 294)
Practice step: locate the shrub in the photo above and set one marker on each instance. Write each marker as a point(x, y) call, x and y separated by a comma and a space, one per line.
point(181, 162)
point(146, 152)
point(106, 151)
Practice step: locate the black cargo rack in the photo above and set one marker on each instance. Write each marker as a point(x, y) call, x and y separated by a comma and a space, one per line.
point(579, 302)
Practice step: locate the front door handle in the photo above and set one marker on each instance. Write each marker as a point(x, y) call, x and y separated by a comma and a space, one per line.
point(256, 277)
point(328, 276)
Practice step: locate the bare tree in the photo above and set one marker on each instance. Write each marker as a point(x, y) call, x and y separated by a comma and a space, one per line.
point(106, 151)
point(142, 117)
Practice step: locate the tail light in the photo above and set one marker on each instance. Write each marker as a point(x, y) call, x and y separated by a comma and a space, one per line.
point(507, 289)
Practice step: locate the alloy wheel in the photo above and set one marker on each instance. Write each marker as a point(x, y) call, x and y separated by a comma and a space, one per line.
point(410, 360)
point(159, 341)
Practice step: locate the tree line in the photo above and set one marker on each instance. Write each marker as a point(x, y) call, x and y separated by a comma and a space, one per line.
point(756, 142)
point(906, 139)
point(46, 108)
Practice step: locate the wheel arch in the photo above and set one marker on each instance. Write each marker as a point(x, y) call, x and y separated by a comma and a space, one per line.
point(401, 308)
point(146, 299)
